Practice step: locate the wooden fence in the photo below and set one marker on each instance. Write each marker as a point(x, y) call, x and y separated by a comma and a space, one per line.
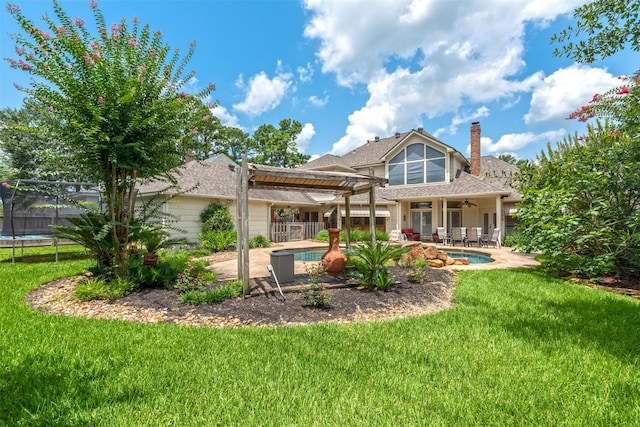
point(290, 231)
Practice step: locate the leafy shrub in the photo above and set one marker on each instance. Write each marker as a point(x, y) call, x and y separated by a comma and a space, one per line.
point(216, 217)
point(220, 293)
point(217, 241)
point(511, 240)
point(418, 271)
point(323, 236)
point(317, 295)
point(356, 235)
point(372, 262)
point(259, 241)
point(95, 288)
point(159, 275)
point(195, 276)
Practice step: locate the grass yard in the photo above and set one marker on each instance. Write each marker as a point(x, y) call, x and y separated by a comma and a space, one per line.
point(518, 349)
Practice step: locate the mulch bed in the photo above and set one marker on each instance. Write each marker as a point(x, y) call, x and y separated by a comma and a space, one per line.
point(348, 304)
point(622, 285)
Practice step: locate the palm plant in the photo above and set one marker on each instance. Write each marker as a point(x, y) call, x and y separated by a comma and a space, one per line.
point(91, 230)
point(372, 262)
point(153, 238)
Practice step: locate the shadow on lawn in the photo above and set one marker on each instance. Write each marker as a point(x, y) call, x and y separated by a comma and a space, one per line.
point(46, 391)
point(578, 317)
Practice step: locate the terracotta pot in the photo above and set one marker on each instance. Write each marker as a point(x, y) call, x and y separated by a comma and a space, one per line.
point(334, 261)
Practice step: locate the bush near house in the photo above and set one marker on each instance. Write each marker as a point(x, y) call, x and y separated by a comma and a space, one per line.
point(217, 233)
point(355, 236)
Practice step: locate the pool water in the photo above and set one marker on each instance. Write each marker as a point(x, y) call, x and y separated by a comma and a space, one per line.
point(307, 255)
point(313, 255)
point(473, 257)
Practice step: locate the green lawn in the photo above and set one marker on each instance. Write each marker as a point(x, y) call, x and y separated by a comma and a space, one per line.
point(518, 349)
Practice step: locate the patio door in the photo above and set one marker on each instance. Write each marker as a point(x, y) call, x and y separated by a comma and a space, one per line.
point(421, 223)
point(455, 219)
point(488, 221)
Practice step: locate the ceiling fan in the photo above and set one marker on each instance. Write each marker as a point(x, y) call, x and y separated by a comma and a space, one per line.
point(467, 203)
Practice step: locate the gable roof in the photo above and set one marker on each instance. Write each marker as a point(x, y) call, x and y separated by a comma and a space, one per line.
point(327, 162)
point(499, 173)
point(374, 152)
point(217, 179)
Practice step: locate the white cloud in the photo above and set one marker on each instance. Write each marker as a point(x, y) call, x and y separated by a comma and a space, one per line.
point(262, 93)
point(425, 57)
point(226, 118)
point(318, 102)
point(305, 73)
point(515, 141)
point(565, 91)
point(305, 136)
point(464, 118)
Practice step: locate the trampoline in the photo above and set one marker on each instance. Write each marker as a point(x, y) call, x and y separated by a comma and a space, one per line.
point(31, 207)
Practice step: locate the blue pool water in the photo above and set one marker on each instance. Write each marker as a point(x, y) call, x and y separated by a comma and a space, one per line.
point(312, 255)
point(307, 255)
point(473, 257)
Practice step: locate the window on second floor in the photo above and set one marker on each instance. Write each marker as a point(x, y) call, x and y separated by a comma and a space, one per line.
point(417, 164)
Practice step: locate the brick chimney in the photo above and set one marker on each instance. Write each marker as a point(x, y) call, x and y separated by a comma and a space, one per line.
point(475, 148)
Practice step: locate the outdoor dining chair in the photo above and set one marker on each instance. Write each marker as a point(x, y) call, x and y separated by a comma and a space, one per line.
point(474, 236)
point(495, 238)
point(458, 234)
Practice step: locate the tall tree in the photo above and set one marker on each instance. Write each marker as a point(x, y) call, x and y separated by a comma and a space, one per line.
point(277, 147)
point(116, 99)
point(29, 152)
point(233, 142)
point(609, 26)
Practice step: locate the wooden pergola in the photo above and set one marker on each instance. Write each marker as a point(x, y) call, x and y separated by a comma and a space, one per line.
point(251, 176)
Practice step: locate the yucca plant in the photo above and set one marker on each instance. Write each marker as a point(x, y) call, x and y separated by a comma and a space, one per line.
point(372, 262)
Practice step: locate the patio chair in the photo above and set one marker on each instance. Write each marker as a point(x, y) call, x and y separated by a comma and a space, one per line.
point(495, 238)
point(474, 236)
point(440, 236)
point(458, 234)
point(411, 235)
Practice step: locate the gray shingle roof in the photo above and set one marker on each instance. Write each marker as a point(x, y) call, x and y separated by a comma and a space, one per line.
point(216, 179)
point(373, 151)
point(325, 162)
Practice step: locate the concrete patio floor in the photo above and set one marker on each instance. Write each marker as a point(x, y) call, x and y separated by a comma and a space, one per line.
point(260, 258)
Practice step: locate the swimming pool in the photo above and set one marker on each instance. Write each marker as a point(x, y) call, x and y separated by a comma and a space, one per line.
point(315, 254)
point(473, 257)
point(307, 255)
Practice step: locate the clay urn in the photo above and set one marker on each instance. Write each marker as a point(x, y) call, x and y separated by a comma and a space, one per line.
point(334, 261)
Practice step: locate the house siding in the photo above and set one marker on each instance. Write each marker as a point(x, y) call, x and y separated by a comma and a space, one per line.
point(187, 210)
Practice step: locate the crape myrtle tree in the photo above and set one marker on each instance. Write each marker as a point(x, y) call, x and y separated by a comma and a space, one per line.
point(581, 201)
point(117, 103)
point(581, 204)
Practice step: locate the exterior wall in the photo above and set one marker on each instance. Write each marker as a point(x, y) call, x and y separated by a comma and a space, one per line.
point(259, 219)
point(379, 170)
point(186, 211)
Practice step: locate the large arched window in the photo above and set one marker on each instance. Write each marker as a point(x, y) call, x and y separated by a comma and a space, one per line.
point(416, 164)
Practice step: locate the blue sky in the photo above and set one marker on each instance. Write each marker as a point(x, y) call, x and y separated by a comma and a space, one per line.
point(350, 70)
